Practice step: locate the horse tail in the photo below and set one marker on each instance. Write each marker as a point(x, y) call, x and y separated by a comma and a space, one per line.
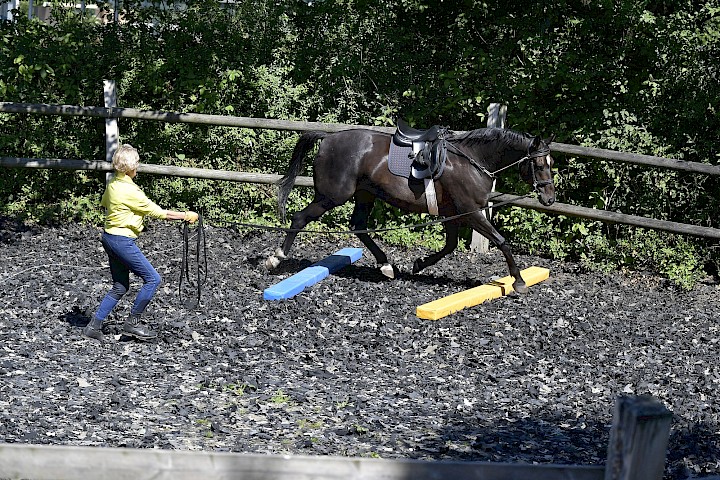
point(304, 144)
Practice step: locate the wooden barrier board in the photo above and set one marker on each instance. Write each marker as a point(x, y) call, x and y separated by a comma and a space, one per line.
point(45, 462)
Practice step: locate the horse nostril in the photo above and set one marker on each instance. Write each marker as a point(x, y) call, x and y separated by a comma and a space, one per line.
point(547, 201)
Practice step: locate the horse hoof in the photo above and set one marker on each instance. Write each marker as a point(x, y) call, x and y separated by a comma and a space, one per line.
point(272, 262)
point(388, 270)
point(520, 288)
point(280, 254)
point(416, 267)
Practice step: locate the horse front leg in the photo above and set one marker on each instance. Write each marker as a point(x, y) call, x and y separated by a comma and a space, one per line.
point(519, 284)
point(483, 226)
point(358, 221)
point(451, 242)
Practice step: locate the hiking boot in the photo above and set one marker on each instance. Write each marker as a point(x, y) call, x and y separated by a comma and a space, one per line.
point(94, 330)
point(133, 328)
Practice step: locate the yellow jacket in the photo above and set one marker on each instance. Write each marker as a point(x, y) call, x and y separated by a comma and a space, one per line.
point(126, 206)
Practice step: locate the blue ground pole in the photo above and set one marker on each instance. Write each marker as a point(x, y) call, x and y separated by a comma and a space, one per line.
point(311, 275)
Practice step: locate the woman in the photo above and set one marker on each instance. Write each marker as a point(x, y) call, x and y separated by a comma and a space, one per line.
point(125, 208)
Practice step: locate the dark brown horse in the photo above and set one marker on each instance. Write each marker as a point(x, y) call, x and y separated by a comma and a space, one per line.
point(354, 163)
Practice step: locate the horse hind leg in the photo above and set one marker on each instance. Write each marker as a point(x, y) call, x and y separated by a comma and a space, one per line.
point(359, 221)
point(300, 219)
point(451, 242)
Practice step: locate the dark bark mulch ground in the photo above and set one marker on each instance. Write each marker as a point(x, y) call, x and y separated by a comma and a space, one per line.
point(346, 368)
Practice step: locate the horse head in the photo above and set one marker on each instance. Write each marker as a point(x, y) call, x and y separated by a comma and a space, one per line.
point(536, 170)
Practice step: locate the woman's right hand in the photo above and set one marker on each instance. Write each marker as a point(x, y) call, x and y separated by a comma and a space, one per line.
point(191, 217)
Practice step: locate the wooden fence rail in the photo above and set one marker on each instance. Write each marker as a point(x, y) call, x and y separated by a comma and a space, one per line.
point(173, 117)
point(246, 122)
point(497, 197)
point(187, 172)
point(636, 158)
point(36, 462)
point(636, 451)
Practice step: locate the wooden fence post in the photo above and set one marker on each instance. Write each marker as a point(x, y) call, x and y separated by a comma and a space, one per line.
point(112, 132)
point(7, 8)
point(638, 439)
point(496, 118)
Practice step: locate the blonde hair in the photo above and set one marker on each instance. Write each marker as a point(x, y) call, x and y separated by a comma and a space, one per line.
point(126, 159)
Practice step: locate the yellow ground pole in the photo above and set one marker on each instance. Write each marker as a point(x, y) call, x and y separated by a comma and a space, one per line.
point(443, 307)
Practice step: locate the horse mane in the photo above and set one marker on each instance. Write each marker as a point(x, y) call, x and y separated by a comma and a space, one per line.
point(482, 136)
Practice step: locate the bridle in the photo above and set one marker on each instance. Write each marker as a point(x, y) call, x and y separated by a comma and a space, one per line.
point(542, 152)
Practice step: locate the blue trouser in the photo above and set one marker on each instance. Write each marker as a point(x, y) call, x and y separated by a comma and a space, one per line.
point(126, 257)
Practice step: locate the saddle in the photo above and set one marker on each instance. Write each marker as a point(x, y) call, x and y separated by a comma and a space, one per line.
point(429, 148)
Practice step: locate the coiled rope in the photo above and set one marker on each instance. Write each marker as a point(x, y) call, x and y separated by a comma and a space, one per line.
point(201, 269)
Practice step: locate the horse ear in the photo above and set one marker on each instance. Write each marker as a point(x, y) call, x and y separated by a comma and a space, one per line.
point(536, 143)
point(551, 139)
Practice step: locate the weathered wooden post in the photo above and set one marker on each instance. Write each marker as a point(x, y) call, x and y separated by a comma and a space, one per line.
point(112, 132)
point(7, 8)
point(496, 118)
point(638, 439)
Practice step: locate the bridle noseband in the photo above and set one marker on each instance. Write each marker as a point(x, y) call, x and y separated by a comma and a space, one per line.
point(544, 152)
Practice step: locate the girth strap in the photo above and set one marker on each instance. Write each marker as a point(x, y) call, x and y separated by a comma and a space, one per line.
point(430, 196)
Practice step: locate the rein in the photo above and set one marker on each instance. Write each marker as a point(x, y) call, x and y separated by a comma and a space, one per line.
point(201, 269)
point(375, 230)
point(185, 267)
point(493, 175)
point(482, 168)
